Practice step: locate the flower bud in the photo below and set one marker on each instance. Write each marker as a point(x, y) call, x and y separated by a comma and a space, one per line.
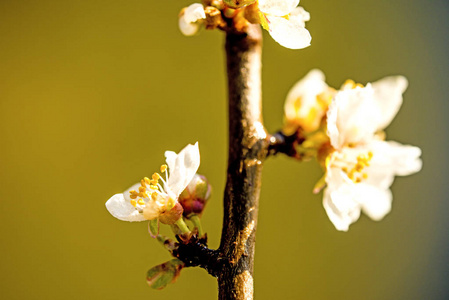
point(171, 216)
point(238, 3)
point(159, 276)
point(194, 198)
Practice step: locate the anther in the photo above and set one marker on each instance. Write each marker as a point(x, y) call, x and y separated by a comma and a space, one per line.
point(142, 189)
point(140, 202)
point(163, 168)
point(134, 203)
point(133, 194)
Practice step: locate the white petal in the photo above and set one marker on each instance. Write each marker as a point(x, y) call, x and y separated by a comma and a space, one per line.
point(188, 20)
point(304, 91)
point(340, 207)
point(186, 28)
point(301, 15)
point(376, 202)
point(183, 169)
point(395, 158)
point(388, 97)
point(122, 209)
point(194, 13)
point(352, 117)
point(170, 158)
point(277, 7)
point(289, 33)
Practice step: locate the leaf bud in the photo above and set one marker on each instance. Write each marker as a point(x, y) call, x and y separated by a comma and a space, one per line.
point(159, 276)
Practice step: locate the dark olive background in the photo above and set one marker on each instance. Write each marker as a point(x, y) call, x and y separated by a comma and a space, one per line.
point(93, 92)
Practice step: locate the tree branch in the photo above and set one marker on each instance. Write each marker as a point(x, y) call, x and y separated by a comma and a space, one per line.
point(248, 148)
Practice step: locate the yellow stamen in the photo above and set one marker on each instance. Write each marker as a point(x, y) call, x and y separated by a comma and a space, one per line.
point(163, 168)
point(156, 176)
point(154, 187)
point(133, 194)
point(142, 189)
point(142, 182)
point(134, 203)
point(363, 160)
point(140, 202)
point(154, 196)
point(147, 180)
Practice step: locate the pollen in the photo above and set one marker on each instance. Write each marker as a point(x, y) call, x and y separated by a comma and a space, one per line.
point(134, 203)
point(163, 168)
point(142, 189)
point(147, 180)
point(133, 194)
point(351, 84)
point(156, 176)
point(142, 183)
point(154, 187)
point(140, 202)
point(363, 161)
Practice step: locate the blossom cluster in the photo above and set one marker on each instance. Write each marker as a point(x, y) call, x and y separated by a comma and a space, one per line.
point(344, 130)
point(283, 19)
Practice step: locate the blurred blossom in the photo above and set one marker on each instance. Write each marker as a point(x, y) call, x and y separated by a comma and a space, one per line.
point(307, 103)
point(190, 17)
point(360, 166)
point(285, 21)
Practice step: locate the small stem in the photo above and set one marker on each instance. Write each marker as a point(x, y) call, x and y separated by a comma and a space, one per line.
point(197, 223)
point(182, 225)
point(286, 144)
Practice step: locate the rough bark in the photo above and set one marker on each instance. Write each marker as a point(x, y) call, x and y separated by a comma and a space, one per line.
point(248, 147)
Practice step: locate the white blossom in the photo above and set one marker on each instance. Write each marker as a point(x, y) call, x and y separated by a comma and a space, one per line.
point(307, 102)
point(361, 167)
point(285, 21)
point(149, 199)
point(189, 19)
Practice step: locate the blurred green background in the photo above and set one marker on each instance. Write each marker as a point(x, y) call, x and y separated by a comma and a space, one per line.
point(93, 92)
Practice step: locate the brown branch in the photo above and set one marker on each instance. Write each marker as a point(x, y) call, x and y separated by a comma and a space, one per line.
point(248, 148)
point(194, 253)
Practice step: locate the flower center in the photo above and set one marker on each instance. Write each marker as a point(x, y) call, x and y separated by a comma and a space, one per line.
point(148, 189)
point(356, 174)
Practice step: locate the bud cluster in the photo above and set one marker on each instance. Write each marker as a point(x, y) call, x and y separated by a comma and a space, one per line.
point(284, 20)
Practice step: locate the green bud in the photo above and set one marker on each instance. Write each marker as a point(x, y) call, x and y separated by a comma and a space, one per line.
point(159, 276)
point(238, 3)
point(194, 198)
